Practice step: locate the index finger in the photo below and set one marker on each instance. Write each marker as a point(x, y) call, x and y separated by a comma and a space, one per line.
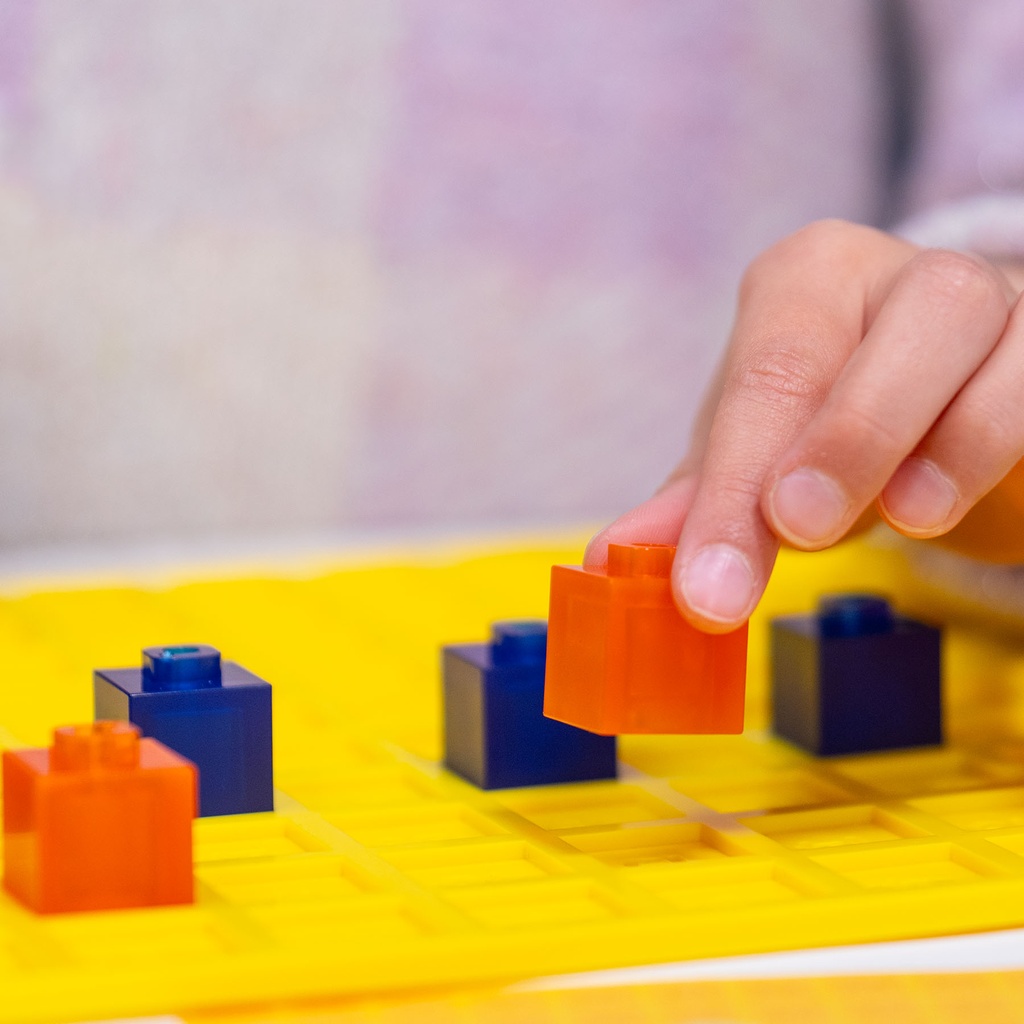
point(801, 315)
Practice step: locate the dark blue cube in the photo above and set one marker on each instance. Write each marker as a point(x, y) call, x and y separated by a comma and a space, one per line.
point(496, 735)
point(856, 678)
point(215, 713)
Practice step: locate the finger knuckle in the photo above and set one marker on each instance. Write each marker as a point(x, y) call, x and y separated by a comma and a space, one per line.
point(992, 428)
point(956, 277)
point(825, 240)
point(738, 489)
point(827, 233)
point(737, 499)
point(870, 428)
point(780, 374)
point(820, 235)
point(822, 242)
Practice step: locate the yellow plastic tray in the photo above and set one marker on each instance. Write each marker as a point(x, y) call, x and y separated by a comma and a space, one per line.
point(381, 872)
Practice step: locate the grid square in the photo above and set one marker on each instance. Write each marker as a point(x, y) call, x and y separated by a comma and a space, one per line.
point(561, 808)
point(629, 847)
point(763, 792)
point(834, 826)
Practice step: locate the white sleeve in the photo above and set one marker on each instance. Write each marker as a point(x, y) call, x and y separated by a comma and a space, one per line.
point(992, 225)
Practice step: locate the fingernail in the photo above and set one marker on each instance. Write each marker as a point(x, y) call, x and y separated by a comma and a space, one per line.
point(919, 496)
point(718, 583)
point(808, 506)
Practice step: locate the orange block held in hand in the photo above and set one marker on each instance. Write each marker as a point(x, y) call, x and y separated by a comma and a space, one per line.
point(622, 659)
point(98, 821)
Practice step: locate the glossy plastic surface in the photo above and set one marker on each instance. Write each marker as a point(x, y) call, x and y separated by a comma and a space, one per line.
point(622, 659)
point(855, 678)
point(98, 821)
point(217, 715)
point(380, 871)
point(496, 735)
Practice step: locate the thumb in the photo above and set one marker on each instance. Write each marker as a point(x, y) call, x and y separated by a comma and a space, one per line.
point(658, 520)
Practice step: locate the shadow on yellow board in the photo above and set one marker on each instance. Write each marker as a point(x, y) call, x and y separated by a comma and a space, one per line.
point(380, 873)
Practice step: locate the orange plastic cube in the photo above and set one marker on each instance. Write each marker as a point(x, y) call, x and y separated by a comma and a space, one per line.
point(622, 659)
point(100, 820)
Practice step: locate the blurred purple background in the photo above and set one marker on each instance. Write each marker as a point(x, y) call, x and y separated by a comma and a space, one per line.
point(304, 264)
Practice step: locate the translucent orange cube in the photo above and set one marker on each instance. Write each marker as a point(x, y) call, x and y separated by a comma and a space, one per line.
point(98, 821)
point(622, 659)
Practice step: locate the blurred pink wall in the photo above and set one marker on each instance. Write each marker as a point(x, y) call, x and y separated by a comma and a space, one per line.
point(306, 264)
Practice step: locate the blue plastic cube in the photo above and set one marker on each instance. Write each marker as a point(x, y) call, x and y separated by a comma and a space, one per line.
point(215, 713)
point(856, 678)
point(496, 735)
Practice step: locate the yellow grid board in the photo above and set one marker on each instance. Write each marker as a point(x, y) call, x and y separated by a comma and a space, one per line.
point(379, 871)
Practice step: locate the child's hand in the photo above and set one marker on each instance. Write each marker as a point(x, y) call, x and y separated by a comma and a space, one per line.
point(861, 371)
